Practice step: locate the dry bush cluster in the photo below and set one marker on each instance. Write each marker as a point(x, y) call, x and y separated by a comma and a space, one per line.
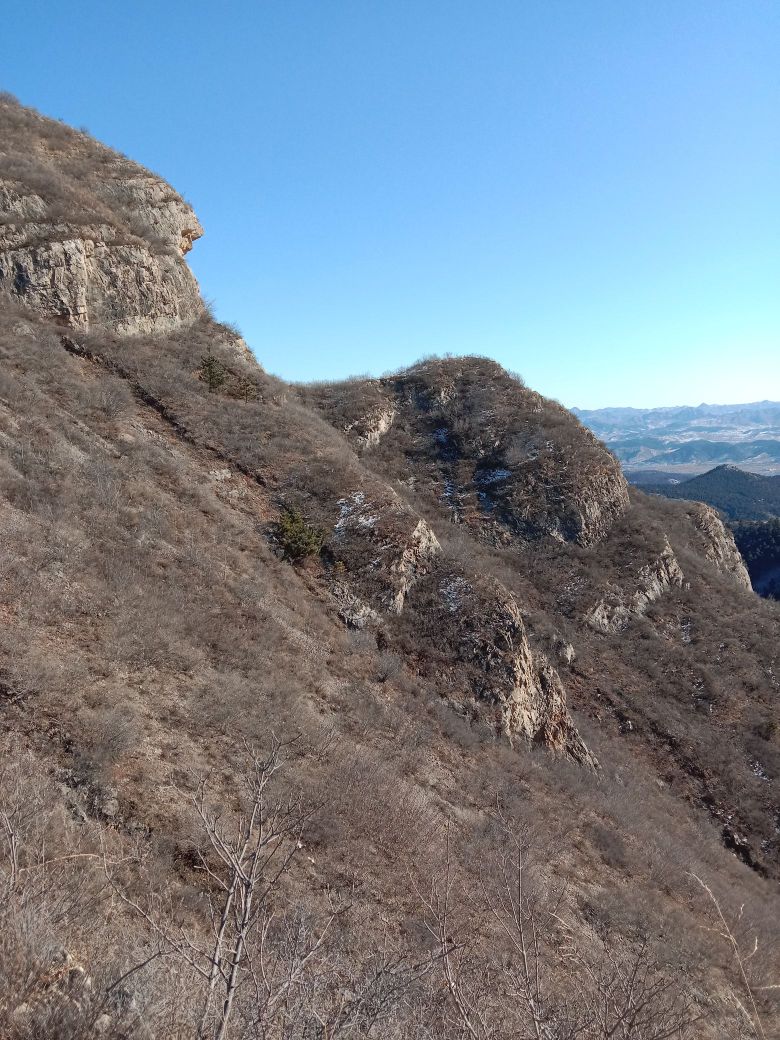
point(98, 936)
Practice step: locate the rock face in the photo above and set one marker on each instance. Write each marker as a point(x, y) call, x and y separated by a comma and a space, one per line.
point(88, 278)
point(508, 463)
point(86, 236)
point(382, 548)
point(479, 622)
point(388, 561)
point(369, 429)
point(617, 609)
point(717, 543)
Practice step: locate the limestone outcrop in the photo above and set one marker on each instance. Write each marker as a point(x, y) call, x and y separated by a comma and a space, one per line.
point(88, 237)
point(717, 543)
point(369, 429)
point(478, 623)
point(87, 277)
point(618, 608)
point(382, 547)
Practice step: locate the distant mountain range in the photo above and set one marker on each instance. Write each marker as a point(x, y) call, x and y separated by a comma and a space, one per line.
point(688, 440)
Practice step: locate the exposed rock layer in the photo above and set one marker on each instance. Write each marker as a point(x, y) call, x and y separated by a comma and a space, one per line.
point(718, 544)
point(87, 237)
point(480, 622)
point(619, 607)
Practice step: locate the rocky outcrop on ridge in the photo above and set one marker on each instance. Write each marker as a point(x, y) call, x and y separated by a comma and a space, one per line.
point(88, 237)
point(499, 456)
point(618, 607)
point(717, 543)
point(382, 547)
point(475, 624)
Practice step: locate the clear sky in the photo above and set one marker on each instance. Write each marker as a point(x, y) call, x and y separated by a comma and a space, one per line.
point(586, 190)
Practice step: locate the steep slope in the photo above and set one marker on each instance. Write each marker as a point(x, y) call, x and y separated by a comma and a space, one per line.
point(625, 593)
point(434, 674)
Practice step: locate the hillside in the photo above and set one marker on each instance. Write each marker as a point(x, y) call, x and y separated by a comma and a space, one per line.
point(752, 505)
point(737, 494)
point(375, 709)
point(684, 441)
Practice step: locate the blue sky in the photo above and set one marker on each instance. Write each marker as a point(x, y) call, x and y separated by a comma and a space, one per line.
point(587, 191)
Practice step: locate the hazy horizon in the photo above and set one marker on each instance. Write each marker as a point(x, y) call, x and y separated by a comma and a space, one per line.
point(672, 407)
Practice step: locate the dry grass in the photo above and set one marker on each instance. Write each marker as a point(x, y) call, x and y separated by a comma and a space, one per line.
point(151, 626)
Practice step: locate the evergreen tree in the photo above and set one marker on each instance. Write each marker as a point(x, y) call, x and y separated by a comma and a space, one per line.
point(212, 372)
point(298, 538)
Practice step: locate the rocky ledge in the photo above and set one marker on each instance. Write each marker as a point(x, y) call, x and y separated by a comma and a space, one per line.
point(717, 544)
point(88, 237)
point(477, 623)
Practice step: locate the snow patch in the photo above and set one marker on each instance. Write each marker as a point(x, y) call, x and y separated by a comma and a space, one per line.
point(354, 512)
point(760, 772)
point(454, 590)
point(493, 476)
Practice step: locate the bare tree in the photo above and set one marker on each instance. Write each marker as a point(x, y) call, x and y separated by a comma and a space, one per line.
point(513, 966)
point(244, 861)
point(456, 945)
point(743, 959)
point(265, 971)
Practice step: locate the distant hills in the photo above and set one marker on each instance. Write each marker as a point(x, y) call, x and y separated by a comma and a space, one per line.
point(738, 494)
point(759, 544)
point(688, 440)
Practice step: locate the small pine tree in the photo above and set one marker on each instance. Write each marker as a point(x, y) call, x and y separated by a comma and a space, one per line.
point(246, 388)
point(298, 538)
point(212, 372)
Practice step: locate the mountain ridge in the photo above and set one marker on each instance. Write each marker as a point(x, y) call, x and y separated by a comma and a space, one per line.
point(738, 494)
point(685, 440)
point(487, 646)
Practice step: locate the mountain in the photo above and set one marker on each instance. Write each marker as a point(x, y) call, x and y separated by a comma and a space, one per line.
point(737, 494)
point(684, 441)
point(379, 708)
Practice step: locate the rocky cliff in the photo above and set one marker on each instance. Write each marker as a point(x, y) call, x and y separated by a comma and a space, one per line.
point(489, 667)
point(717, 543)
point(88, 237)
point(619, 606)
